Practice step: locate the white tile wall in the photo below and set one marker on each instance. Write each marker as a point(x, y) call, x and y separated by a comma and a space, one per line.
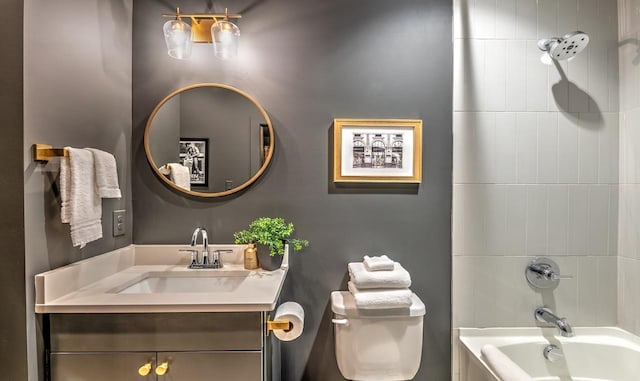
point(537, 148)
point(495, 292)
point(536, 160)
point(629, 195)
point(546, 162)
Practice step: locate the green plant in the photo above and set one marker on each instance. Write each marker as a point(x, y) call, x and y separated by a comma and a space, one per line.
point(271, 232)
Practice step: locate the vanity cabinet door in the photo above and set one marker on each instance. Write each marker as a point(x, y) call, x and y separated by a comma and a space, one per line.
point(211, 366)
point(120, 366)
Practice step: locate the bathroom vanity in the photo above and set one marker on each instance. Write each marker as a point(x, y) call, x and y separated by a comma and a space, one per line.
point(138, 313)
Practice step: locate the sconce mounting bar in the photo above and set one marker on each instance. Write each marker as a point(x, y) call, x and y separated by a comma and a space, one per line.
point(204, 15)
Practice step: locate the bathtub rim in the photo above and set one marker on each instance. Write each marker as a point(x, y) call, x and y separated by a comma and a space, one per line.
point(469, 339)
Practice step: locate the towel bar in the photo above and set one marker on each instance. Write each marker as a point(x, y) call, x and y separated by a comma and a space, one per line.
point(44, 152)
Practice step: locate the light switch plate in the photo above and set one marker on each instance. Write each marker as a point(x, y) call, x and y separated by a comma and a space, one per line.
point(119, 225)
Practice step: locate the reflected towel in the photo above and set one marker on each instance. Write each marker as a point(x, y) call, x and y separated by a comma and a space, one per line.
point(502, 365)
point(361, 278)
point(84, 205)
point(377, 298)
point(178, 174)
point(381, 263)
point(106, 174)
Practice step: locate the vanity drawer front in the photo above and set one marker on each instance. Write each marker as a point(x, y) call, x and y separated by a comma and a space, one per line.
point(228, 366)
point(156, 332)
point(118, 366)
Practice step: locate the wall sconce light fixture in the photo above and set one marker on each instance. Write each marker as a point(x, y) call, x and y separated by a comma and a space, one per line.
point(205, 28)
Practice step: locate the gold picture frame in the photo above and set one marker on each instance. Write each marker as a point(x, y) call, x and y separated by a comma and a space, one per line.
point(377, 150)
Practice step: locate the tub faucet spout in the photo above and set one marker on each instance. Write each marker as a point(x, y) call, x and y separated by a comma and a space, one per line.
point(545, 315)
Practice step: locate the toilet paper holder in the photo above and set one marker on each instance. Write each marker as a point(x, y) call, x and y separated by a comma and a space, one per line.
point(283, 325)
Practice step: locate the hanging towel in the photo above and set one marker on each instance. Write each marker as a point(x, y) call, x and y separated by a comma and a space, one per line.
point(378, 298)
point(177, 173)
point(84, 206)
point(361, 278)
point(381, 263)
point(65, 190)
point(503, 366)
point(106, 174)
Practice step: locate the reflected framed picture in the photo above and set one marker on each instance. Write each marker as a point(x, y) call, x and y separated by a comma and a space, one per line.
point(377, 150)
point(194, 154)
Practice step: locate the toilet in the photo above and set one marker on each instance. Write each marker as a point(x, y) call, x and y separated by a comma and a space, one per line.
point(377, 344)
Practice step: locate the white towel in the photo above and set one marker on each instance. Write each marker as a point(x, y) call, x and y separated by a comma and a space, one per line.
point(503, 366)
point(381, 263)
point(106, 174)
point(65, 190)
point(84, 208)
point(361, 278)
point(376, 298)
point(178, 173)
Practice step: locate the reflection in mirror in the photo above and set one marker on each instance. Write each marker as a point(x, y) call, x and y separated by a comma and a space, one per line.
point(209, 140)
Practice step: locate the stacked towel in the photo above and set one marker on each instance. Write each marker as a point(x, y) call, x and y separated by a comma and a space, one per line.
point(381, 263)
point(385, 287)
point(86, 176)
point(178, 174)
point(502, 365)
point(362, 278)
point(377, 298)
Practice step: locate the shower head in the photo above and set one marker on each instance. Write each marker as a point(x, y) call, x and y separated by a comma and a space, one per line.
point(562, 48)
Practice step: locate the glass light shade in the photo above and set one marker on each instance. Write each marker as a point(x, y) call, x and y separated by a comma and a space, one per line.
point(177, 36)
point(226, 38)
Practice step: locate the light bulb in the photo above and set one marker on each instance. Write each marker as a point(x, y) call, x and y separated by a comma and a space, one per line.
point(226, 38)
point(177, 36)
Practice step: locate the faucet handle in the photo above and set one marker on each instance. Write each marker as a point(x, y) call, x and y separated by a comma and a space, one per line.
point(555, 276)
point(544, 273)
point(194, 255)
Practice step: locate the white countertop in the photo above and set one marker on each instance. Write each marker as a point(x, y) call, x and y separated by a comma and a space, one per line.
point(94, 285)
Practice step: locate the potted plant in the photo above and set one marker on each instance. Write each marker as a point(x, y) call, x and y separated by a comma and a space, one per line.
point(270, 235)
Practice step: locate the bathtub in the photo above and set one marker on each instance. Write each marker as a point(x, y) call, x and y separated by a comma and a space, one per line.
point(593, 354)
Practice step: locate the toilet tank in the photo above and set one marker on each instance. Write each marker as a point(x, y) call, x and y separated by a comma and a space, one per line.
point(377, 344)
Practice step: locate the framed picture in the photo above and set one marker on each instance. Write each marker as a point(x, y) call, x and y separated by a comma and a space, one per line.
point(377, 150)
point(194, 154)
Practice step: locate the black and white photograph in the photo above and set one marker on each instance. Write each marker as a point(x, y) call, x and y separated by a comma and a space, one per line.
point(194, 155)
point(378, 150)
point(371, 150)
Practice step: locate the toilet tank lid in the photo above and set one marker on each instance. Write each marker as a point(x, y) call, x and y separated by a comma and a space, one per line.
point(343, 303)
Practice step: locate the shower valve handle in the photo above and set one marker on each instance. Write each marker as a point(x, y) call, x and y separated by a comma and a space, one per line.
point(544, 273)
point(555, 276)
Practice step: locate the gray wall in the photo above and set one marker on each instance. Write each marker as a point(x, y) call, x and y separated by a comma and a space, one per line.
point(164, 135)
point(308, 62)
point(13, 343)
point(232, 124)
point(77, 92)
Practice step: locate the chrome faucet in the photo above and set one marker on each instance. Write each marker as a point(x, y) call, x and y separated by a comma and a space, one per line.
point(215, 263)
point(544, 315)
point(205, 243)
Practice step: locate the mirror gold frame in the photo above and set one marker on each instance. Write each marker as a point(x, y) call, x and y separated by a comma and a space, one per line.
point(240, 187)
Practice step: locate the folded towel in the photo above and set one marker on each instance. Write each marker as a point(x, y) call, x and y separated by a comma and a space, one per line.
point(502, 365)
point(177, 173)
point(396, 278)
point(381, 263)
point(375, 298)
point(84, 208)
point(106, 174)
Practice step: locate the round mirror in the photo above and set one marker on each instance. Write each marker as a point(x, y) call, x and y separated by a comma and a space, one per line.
point(208, 140)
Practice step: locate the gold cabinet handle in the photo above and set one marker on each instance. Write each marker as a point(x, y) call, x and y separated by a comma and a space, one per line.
point(145, 369)
point(162, 368)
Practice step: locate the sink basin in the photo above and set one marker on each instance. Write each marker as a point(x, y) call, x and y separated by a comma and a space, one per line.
point(183, 283)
